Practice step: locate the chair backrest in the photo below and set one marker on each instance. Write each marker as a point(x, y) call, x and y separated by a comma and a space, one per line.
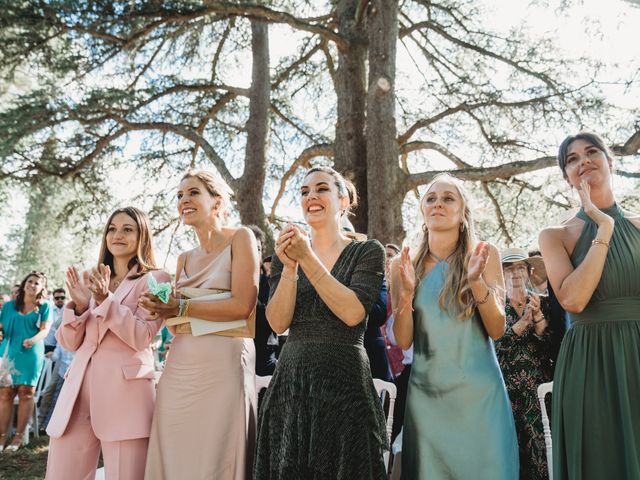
point(45, 377)
point(543, 390)
point(262, 383)
point(386, 389)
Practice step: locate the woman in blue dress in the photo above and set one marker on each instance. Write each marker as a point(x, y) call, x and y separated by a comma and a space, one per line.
point(448, 300)
point(25, 322)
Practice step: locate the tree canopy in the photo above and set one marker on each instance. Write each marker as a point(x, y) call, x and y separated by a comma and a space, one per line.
point(389, 92)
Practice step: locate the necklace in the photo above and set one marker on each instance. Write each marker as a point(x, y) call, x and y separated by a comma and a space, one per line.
point(438, 259)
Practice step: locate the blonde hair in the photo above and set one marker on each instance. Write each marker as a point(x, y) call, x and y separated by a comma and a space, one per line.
point(215, 186)
point(455, 296)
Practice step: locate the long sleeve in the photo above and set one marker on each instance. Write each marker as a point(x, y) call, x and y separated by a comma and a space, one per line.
point(71, 332)
point(130, 326)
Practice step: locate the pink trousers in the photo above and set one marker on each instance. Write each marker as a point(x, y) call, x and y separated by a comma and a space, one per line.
point(74, 456)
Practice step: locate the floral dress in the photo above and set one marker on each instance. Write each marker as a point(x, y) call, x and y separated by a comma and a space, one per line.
point(524, 362)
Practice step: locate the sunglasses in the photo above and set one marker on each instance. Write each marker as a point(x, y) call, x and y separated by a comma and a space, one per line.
point(59, 298)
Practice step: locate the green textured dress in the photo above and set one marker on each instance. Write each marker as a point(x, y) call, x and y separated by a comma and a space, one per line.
point(458, 421)
point(320, 418)
point(596, 388)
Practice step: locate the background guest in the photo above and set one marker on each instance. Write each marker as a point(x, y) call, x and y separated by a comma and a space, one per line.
point(50, 344)
point(25, 323)
point(523, 353)
point(265, 341)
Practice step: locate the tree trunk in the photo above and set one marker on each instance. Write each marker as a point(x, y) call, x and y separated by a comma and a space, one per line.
point(249, 187)
point(383, 170)
point(350, 143)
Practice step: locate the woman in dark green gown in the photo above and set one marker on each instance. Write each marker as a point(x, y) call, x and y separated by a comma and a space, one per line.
point(321, 418)
point(593, 263)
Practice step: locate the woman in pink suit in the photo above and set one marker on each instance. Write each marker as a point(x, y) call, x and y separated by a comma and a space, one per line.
point(108, 396)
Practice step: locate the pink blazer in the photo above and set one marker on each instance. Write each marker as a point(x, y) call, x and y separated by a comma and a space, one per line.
point(115, 337)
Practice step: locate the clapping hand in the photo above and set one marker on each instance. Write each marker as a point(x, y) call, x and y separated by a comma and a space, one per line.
point(78, 289)
point(533, 305)
point(99, 282)
point(407, 275)
point(478, 261)
point(590, 209)
point(283, 241)
point(299, 244)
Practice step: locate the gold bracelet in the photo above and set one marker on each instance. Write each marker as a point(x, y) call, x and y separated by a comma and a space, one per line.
point(485, 299)
point(406, 304)
point(597, 241)
point(186, 308)
point(291, 279)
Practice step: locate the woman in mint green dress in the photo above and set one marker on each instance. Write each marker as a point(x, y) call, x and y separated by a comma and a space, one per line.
point(25, 323)
point(458, 420)
point(593, 263)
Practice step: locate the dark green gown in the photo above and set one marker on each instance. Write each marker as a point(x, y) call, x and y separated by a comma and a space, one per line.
point(321, 418)
point(596, 390)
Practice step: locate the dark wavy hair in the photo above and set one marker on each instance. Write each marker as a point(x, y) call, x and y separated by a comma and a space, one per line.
point(41, 296)
point(590, 137)
point(345, 187)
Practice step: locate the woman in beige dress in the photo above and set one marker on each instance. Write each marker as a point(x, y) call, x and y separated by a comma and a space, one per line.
point(205, 416)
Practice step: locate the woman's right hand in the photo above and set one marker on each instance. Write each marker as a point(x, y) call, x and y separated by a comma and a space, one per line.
point(602, 219)
point(78, 289)
point(407, 275)
point(282, 243)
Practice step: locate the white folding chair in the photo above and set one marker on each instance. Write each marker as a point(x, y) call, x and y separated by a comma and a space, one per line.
point(543, 390)
point(262, 383)
point(386, 389)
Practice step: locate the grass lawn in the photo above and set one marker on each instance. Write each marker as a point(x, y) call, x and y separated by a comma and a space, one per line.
point(28, 463)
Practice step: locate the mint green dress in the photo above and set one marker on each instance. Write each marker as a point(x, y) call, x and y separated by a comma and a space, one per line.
point(27, 362)
point(596, 388)
point(458, 421)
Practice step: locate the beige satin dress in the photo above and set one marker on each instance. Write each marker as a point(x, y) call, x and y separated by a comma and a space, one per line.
point(204, 424)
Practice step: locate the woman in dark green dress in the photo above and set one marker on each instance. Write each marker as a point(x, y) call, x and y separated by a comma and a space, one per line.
point(321, 418)
point(593, 263)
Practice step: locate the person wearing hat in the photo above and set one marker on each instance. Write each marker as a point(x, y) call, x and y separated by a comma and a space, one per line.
point(523, 355)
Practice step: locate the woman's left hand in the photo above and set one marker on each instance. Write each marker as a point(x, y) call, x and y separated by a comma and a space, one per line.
point(299, 246)
point(478, 261)
point(157, 308)
point(28, 343)
point(99, 282)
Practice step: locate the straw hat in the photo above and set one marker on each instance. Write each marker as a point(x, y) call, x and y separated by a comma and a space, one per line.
point(512, 255)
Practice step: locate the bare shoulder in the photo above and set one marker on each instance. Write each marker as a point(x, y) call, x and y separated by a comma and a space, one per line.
point(242, 240)
point(566, 230)
point(239, 234)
